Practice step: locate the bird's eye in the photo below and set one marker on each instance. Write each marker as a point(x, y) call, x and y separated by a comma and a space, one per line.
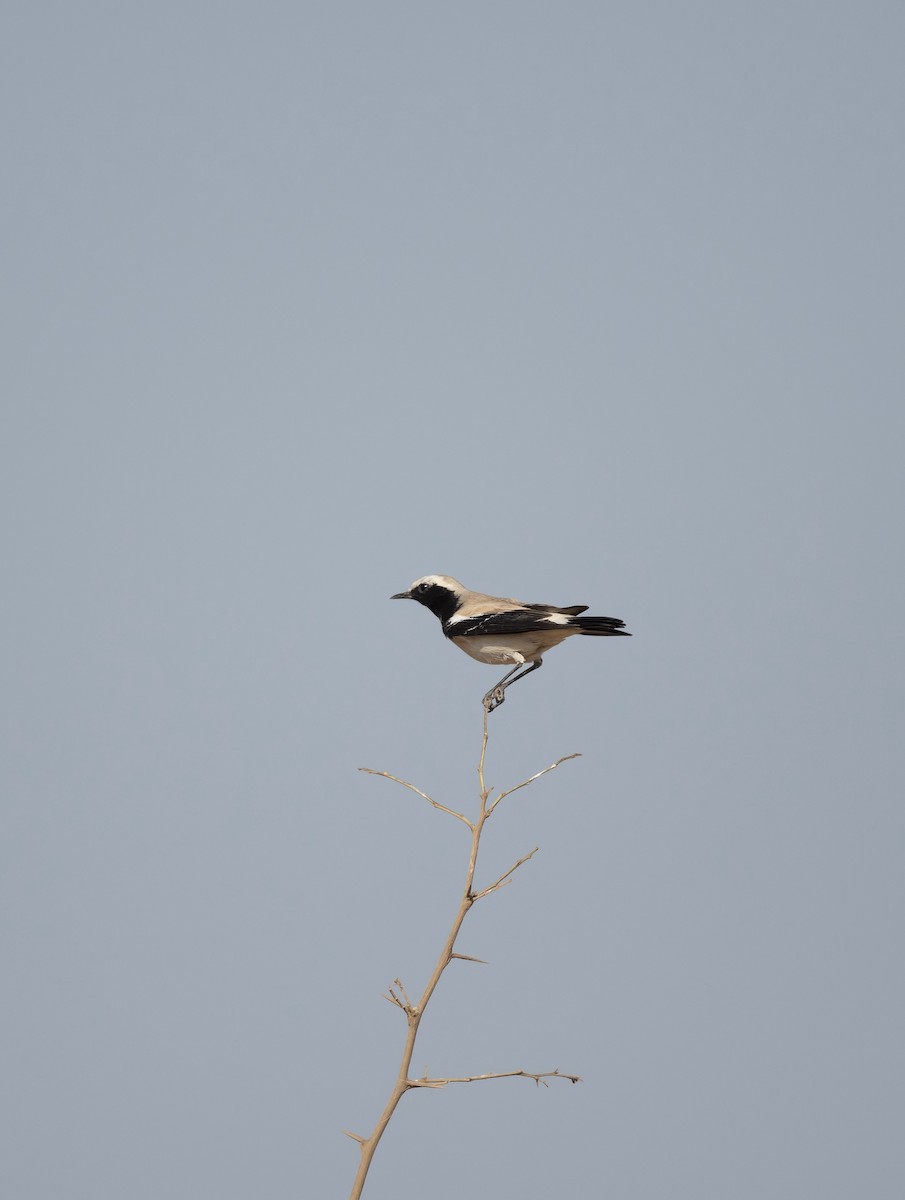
point(422, 588)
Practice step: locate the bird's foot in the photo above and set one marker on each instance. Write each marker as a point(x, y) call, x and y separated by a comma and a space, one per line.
point(494, 698)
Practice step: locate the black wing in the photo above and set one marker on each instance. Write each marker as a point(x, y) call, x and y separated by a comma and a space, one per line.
point(519, 620)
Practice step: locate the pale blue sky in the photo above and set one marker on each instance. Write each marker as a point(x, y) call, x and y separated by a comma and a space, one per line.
point(585, 303)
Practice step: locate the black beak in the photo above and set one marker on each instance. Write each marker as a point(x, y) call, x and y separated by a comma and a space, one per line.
point(402, 596)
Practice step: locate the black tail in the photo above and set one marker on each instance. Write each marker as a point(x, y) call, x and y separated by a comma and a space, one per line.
point(600, 626)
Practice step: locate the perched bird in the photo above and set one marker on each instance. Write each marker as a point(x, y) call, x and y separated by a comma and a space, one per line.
point(497, 629)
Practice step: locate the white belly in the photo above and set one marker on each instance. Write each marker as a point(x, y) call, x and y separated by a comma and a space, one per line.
point(511, 648)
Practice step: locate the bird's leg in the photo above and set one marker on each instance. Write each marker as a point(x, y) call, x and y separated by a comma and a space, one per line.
point(497, 695)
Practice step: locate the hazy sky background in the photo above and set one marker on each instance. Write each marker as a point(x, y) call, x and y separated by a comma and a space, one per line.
point(586, 303)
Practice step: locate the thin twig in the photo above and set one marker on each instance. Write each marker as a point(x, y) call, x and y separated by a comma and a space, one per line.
point(505, 878)
point(525, 782)
point(408, 1003)
point(411, 787)
point(539, 1078)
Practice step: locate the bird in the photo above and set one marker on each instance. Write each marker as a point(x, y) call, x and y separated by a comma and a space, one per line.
point(498, 629)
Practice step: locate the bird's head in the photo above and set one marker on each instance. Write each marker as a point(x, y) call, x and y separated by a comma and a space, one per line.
point(440, 593)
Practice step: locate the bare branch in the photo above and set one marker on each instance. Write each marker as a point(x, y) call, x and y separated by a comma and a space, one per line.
point(411, 787)
point(525, 782)
point(505, 878)
point(415, 1012)
point(540, 1078)
point(355, 1137)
